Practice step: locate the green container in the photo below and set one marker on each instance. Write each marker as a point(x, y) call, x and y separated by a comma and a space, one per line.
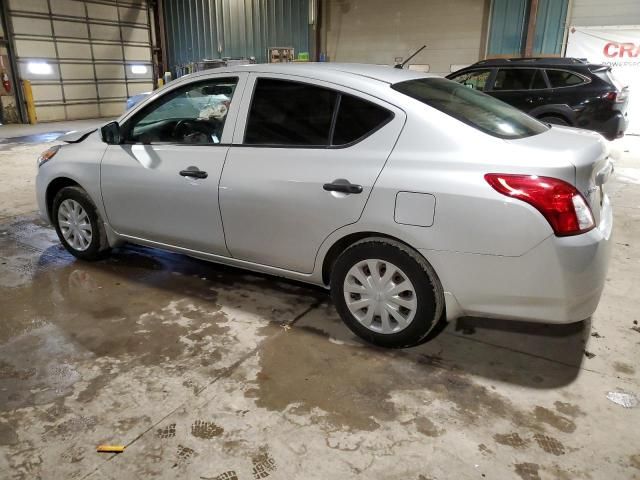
point(303, 56)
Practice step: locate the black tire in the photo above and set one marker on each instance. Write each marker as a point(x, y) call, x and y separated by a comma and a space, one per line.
point(99, 246)
point(554, 120)
point(428, 291)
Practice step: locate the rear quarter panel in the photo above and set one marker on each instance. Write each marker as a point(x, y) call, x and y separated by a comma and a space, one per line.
point(441, 156)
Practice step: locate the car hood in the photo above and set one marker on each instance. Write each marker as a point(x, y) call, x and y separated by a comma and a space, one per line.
point(76, 136)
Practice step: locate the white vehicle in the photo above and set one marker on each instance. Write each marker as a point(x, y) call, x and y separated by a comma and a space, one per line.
point(411, 197)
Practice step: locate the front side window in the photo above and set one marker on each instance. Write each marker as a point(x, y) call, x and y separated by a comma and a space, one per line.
point(518, 79)
point(194, 114)
point(287, 113)
point(562, 78)
point(476, 79)
point(474, 108)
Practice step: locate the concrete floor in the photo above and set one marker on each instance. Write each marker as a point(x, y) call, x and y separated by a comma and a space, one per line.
point(208, 372)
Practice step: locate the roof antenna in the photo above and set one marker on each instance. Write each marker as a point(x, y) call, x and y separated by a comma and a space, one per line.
point(401, 65)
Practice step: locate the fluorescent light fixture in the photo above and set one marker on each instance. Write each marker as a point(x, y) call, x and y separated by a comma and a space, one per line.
point(139, 69)
point(39, 68)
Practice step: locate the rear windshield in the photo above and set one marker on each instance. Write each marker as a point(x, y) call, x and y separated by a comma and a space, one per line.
point(472, 107)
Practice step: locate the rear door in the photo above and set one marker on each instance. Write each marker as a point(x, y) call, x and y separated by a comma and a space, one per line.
point(571, 88)
point(305, 157)
point(524, 88)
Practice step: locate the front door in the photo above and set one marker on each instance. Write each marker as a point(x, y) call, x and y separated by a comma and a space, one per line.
point(304, 160)
point(161, 183)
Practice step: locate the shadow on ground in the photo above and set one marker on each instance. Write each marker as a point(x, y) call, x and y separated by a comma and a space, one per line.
point(99, 302)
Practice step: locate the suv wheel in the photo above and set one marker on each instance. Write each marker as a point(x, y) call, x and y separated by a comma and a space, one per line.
point(78, 224)
point(386, 293)
point(555, 120)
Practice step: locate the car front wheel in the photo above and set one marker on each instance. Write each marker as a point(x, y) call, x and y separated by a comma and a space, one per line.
point(386, 293)
point(78, 224)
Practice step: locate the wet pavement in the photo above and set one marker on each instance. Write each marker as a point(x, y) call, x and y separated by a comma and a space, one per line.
point(209, 372)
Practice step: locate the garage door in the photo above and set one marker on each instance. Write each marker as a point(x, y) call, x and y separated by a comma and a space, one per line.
point(84, 58)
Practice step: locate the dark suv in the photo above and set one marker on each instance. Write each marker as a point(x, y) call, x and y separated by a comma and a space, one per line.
point(563, 91)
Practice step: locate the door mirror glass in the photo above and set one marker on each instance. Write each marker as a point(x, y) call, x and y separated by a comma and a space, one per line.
point(111, 133)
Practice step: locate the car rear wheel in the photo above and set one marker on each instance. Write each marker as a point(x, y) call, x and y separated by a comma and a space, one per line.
point(78, 224)
point(386, 293)
point(555, 120)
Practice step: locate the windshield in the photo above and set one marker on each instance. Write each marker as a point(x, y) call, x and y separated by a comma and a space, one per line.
point(472, 107)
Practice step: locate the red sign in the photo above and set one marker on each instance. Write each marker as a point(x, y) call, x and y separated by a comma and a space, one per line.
point(615, 49)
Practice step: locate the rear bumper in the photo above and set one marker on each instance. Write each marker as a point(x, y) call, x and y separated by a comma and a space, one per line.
point(558, 281)
point(615, 126)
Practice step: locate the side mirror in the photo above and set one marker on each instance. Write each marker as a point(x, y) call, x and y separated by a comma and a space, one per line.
point(111, 133)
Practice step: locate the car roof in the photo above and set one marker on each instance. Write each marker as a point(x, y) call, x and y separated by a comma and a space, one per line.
point(379, 73)
point(534, 62)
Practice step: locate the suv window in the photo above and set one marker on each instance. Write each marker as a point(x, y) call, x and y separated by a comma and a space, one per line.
point(195, 113)
point(519, 79)
point(356, 119)
point(472, 107)
point(563, 78)
point(290, 113)
point(476, 79)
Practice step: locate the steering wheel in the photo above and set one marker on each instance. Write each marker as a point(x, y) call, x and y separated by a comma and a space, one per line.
point(187, 127)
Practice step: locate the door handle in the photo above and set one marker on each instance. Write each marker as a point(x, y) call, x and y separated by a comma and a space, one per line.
point(342, 186)
point(193, 172)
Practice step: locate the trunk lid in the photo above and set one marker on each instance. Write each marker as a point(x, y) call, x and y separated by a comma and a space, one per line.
point(586, 151)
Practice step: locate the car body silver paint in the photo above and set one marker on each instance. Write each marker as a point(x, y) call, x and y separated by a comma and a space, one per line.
point(495, 256)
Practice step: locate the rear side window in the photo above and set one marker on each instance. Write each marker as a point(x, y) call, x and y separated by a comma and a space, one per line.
point(356, 119)
point(287, 113)
point(474, 108)
point(518, 79)
point(562, 78)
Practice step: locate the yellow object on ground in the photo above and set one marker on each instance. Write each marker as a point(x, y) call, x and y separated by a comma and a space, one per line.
point(28, 99)
point(111, 448)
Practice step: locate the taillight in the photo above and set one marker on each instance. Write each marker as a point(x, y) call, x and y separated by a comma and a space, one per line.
point(617, 97)
point(558, 201)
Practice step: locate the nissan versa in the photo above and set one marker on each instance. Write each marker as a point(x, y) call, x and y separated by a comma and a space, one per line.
point(412, 197)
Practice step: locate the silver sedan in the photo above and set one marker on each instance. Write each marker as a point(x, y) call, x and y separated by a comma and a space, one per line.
point(414, 199)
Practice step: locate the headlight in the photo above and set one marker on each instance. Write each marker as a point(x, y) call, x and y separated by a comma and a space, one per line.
point(47, 155)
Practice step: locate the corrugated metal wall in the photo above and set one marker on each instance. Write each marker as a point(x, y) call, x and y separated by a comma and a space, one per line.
point(506, 31)
point(508, 26)
point(550, 27)
point(198, 29)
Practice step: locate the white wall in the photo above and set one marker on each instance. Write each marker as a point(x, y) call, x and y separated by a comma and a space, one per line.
point(586, 13)
point(377, 31)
